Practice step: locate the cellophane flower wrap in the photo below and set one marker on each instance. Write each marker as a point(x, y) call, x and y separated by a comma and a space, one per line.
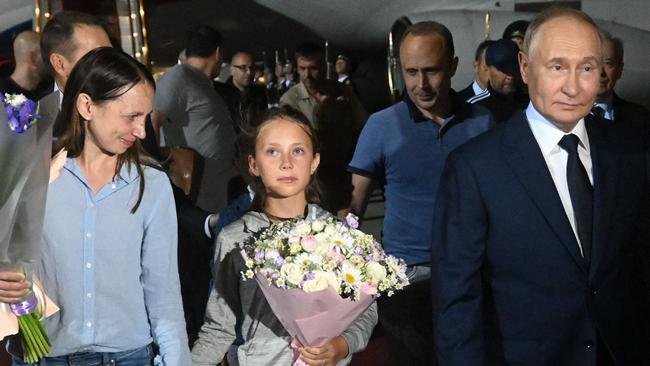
point(319, 275)
point(25, 150)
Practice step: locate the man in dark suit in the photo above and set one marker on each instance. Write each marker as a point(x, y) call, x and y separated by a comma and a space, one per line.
point(609, 105)
point(541, 238)
point(481, 73)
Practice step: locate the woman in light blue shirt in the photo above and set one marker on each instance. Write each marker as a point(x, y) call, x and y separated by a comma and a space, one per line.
point(109, 244)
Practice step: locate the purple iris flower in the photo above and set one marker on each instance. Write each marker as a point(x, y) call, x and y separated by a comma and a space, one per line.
point(26, 111)
point(20, 119)
point(14, 124)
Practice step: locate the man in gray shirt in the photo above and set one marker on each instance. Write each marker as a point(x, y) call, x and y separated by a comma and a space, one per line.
point(191, 114)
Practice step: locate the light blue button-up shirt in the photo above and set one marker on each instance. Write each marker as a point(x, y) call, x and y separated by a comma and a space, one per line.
point(114, 274)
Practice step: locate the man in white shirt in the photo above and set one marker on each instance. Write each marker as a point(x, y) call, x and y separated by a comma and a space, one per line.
point(610, 105)
point(540, 254)
point(481, 73)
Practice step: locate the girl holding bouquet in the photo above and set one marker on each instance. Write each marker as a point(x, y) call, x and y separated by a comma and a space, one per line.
point(108, 255)
point(283, 159)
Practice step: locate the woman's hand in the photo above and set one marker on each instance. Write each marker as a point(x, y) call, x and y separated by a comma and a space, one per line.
point(13, 286)
point(328, 355)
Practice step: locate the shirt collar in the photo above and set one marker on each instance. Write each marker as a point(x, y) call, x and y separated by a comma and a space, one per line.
point(477, 88)
point(57, 90)
point(417, 116)
point(302, 91)
point(548, 135)
point(607, 106)
point(126, 175)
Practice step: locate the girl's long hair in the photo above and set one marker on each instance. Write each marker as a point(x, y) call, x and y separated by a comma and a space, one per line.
point(104, 74)
point(312, 191)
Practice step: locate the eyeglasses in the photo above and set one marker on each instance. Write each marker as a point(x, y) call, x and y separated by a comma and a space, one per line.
point(244, 67)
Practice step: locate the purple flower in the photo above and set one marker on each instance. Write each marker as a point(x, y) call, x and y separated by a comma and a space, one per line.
point(259, 256)
point(279, 261)
point(21, 117)
point(14, 124)
point(358, 250)
point(310, 276)
point(352, 221)
point(26, 111)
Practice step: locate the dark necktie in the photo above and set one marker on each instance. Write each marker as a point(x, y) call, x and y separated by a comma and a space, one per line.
point(581, 192)
point(598, 111)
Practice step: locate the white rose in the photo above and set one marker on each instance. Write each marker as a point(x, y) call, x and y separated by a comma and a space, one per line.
point(322, 243)
point(321, 281)
point(332, 281)
point(292, 272)
point(376, 271)
point(303, 228)
point(271, 254)
point(317, 226)
point(330, 229)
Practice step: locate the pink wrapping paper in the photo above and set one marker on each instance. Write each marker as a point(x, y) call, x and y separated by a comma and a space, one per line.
point(312, 318)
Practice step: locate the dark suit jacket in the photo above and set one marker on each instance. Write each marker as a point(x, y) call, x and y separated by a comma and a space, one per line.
point(509, 283)
point(467, 92)
point(629, 112)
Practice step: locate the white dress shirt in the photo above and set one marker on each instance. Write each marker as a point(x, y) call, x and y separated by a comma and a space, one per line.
point(477, 88)
point(548, 136)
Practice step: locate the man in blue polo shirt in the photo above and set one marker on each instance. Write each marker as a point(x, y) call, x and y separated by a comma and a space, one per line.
point(406, 146)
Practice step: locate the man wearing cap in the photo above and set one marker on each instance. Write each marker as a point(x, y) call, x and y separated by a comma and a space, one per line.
point(515, 31)
point(500, 97)
point(609, 105)
point(481, 73)
point(343, 68)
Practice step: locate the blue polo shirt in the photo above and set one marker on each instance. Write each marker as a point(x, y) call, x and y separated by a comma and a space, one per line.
point(407, 151)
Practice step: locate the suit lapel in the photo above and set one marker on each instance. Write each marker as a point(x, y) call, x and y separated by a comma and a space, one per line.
point(527, 162)
point(604, 177)
point(48, 109)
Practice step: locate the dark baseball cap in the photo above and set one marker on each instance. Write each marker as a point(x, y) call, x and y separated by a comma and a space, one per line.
point(516, 29)
point(502, 54)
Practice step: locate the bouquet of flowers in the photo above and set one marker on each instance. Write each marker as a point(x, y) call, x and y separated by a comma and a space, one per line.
point(25, 150)
point(320, 275)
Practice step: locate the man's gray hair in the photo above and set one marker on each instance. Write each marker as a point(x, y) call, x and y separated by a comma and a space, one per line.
point(616, 42)
point(530, 39)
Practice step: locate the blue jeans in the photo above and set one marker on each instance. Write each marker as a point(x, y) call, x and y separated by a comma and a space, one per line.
point(136, 357)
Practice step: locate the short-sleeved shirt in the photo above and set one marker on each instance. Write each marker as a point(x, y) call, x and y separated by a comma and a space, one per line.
point(407, 151)
point(196, 116)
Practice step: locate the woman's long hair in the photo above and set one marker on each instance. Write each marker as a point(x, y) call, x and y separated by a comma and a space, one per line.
point(104, 74)
point(312, 191)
